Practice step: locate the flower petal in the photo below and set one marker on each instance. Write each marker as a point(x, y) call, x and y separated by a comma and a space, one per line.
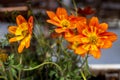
point(95, 54)
point(61, 13)
point(109, 35)
point(86, 32)
point(104, 43)
point(94, 22)
point(30, 22)
point(54, 23)
point(18, 31)
point(93, 47)
point(86, 46)
point(78, 38)
point(27, 44)
point(79, 50)
point(20, 19)
point(69, 33)
point(60, 30)
point(15, 39)
point(27, 39)
point(85, 40)
point(12, 29)
point(102, 27)
point(81, 26)
point(21, 46)
point(51, 14)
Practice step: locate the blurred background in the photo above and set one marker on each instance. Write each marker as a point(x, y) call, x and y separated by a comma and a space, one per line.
point(108, 66)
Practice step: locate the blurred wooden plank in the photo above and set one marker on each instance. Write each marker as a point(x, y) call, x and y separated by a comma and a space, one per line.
point(12, 1)
point(17, 8)
point(105, 66)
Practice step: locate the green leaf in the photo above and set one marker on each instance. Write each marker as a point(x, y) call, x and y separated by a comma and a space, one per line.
point(14, 72)
point(62, 78)
point(52, 73)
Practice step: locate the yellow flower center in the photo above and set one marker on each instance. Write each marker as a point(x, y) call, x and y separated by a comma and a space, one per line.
point(3, 57)
point(25, 33)
point(65, 23)
point(93, 39)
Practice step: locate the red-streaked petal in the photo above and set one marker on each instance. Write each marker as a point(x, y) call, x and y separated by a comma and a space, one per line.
point(109, 35)
point(20, 19)
point(77, 38)
point(95, 54)
point(81, 51)
point(86, 46)
point(61, 13)
point(86, 32)
point(102, 27)
point(21, 46)
point(94, 22)
point(51, 14)
point(69, 33)
point(54, 23)
point(104, 43)
point(81, 26)
point(72, 26)
point(12, 29)
point(30, 22)
point(27, 44)
point(107, 44)
point(60, 30)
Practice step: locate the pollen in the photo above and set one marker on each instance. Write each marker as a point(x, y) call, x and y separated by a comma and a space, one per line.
point(25, 33)
point(93, 39)
point(65, 23)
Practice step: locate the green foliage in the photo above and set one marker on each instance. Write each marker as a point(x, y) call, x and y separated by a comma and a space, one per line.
point(46, 59)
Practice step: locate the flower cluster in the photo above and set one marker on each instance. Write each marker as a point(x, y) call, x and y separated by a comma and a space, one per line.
point(86, 36)
point(55, 59)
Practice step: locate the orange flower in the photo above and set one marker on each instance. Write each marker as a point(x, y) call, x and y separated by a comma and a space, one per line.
point(62, 20)
point(86, 11)
point(22, 32)
point(91, 37)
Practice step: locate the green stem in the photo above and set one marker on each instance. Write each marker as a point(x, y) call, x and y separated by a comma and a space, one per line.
point(19, 70)
point(3, 71)
point(10, 74)
point(19, 73)
point(63, 49)
point(3, 77)
point(84, 78)
point(45, 63)
point(75, 6)
point(85, 60)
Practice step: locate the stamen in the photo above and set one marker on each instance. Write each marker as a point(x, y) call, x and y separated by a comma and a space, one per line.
point(24, 33)
point(65, 23)
point(93, 39)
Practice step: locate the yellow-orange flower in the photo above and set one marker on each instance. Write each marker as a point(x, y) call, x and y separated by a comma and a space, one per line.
point(91, 37)
point(62, 20)
point(3, 55)
point(22, 32)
